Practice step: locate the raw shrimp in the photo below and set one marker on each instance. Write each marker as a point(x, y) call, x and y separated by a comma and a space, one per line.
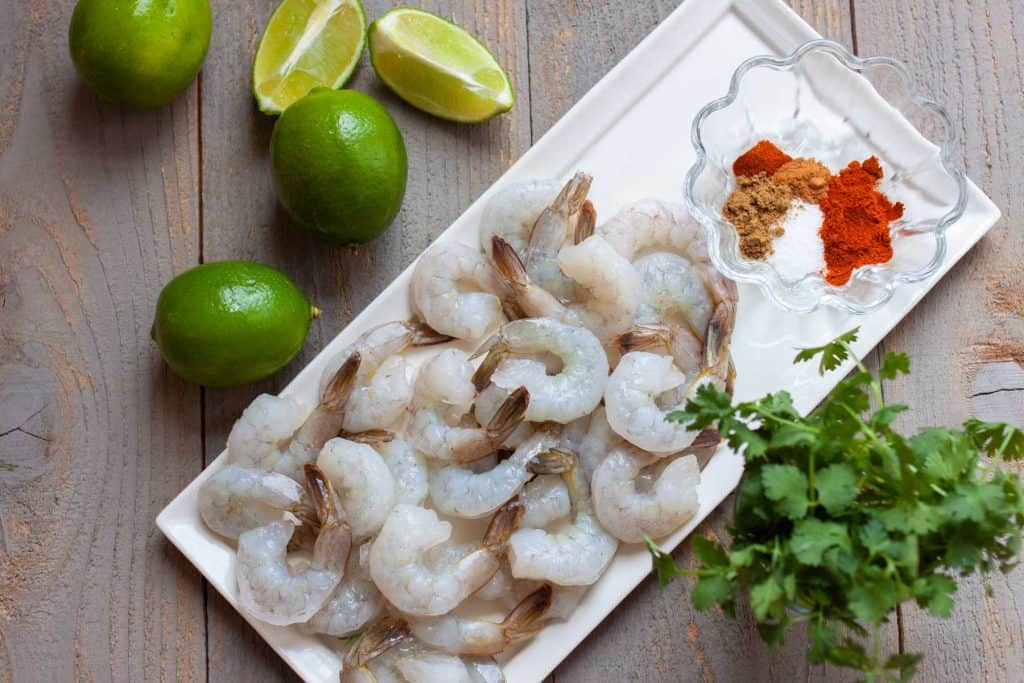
point(545, 501)
point(442, 389)
point(571, 393)
point(512, 211)
point(491, 398)
point(275, 434)
point(651, 225)
point(387, 653)
point(383, 391)
point(550, 232)
point(610, 286)
point(455, 289)
point(399, 568)
point(354, 603)
point(465, 636)
point(268, 588)
point(236, 499)
point(408, 470)
point(590, 438)
point(575, 555)
point(363, 481)
point(632, 406)
point(629, 514)
point(464, 493)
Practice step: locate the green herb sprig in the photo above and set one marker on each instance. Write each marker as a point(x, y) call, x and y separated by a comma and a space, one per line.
point(840, 518)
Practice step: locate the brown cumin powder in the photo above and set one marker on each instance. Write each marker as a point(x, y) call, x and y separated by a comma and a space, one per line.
point(807, 178)
point(757, 208)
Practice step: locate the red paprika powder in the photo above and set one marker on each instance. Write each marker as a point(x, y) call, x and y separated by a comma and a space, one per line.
point(764, 157)
point(857, 216)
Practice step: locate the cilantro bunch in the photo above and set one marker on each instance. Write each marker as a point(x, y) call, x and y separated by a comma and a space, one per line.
point(840, 518)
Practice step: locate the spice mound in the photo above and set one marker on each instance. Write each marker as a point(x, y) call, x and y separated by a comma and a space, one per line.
point(856, 216)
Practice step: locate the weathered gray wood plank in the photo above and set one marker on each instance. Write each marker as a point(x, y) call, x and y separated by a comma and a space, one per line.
point(449, 166)
point(966, 339)
point(98, 208)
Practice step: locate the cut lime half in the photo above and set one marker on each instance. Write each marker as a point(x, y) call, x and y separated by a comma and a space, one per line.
point(438, 67)
point(307, 44)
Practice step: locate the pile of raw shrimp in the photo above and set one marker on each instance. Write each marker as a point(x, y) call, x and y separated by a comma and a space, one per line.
point(552, 434)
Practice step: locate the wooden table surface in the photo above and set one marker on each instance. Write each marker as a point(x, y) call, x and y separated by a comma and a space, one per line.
point(100, 207)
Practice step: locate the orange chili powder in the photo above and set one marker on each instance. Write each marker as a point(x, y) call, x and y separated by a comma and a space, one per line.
point(764, 157)
point(857, 216)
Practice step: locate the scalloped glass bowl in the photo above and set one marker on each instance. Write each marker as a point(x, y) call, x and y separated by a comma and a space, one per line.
point(825, 103)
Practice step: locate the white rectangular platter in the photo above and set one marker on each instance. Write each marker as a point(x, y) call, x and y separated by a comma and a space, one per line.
point(631, 131)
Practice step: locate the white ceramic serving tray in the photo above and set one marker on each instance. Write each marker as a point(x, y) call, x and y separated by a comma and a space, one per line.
point(631, 131)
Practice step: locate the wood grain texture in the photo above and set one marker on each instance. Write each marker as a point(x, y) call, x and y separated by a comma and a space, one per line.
point(98, 208)
point(449, 166)
point(966, 339)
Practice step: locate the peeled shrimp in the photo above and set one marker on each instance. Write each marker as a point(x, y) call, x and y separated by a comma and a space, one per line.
point(491, 398)
point(632, 407)
point(465, 636)
point(442, 388)
point(591, 438)
point(268, 588)
point(363, 481)
point(651, 225)
point(354, 603)
point(569, 394)
point(575, 555)
point(628, 514)
point(550, 232)
point(387, 653)
point(382, 389)
point(275, 434)
point(400, 570)
point(610, 286)
point(408, 470)
point(545, 501)
point(236, 499)
point(461, 492)
point(455, 289)
point(512, 212)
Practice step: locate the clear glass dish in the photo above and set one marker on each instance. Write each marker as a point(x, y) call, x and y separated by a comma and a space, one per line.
point(825, 103)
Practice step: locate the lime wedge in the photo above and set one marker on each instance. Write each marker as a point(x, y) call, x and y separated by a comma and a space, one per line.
point(438, 67)
point(307, 44)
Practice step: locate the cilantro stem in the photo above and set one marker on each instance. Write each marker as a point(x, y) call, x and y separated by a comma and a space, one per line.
point(876, 387)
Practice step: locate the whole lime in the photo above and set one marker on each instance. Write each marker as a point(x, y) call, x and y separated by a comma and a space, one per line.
point(139, 53)
point(230, 322)
point(339, 165)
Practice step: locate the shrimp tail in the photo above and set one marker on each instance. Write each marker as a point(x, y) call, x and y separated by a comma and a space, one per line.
point(341, 385)
point(718, 334)
point(586, 221)
point(508, 416)
point(334, 542)
point(369, 436)
point(505, 521)
point(704, 445)
point(493, 350)
point(643, 338)
point(574, 193)
point(554, 461)
point(422, 334)
point(527, 617)
point(376, 640)
point(509, 264)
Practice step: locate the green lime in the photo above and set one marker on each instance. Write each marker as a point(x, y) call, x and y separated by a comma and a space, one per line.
point(308, 43)
point(438, 67)
point(139, 53)
point(339, 165)
point(230, 322)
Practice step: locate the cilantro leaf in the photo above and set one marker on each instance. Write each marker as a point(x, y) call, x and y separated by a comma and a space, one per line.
point(893, 365)
point(812, 537)
point(997, 438)
point(787, 486)
point(710, 553)
point(709, 591)
point(836, 486)
point(663, 562)
point(767, 599)
point(832, 354)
